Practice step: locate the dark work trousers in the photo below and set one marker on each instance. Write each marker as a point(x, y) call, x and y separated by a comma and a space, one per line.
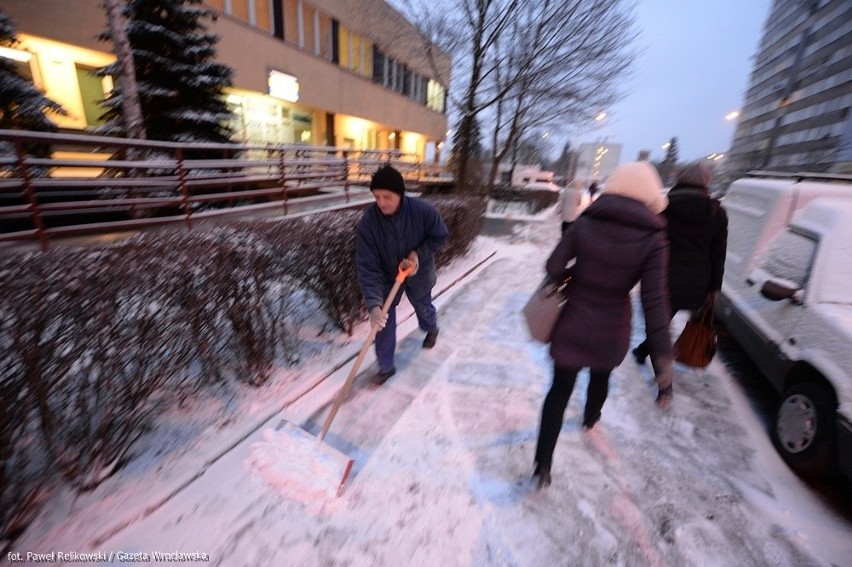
point(427, 319)
point(553, 411)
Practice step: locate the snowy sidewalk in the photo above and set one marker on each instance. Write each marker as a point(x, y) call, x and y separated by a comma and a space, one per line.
point(444, 451)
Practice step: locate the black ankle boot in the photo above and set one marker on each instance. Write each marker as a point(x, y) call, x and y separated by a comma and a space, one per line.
point(590, 422)
point(541, 476)
point(430, 339)
point(639, 356)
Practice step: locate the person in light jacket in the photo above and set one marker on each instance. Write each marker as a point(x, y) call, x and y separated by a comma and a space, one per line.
point(698, 236)
point(570, 204)
point(395, 230)
point(618, 241)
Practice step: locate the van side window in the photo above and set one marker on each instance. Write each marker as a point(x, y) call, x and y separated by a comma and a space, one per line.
point(790, 257)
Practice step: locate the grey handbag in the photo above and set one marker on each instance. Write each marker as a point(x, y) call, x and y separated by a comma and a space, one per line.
point(543, 308)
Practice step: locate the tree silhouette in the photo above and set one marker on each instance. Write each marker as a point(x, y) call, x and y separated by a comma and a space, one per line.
point(668, 167)
point(468, 139)
point(22, 105)
point(561, 165)
point(520, 66)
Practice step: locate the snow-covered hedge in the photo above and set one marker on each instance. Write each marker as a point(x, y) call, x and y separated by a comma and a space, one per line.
point(319, 252)
point(464, 217)
point(531, 200)
point(96, 341)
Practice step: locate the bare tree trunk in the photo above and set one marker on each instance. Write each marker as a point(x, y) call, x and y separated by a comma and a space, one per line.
point(469, 114)
point(131, 106)
point(486, 31)
point(495, 138)
point(463, 152)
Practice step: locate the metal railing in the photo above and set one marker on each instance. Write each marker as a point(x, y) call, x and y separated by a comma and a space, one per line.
point(96, 184)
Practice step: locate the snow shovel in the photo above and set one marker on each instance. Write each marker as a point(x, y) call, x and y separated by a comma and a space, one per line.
point(329, 468)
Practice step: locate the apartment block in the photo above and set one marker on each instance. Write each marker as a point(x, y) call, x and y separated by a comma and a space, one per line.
point(345, 73)
point(595, 162)
point(797, 113)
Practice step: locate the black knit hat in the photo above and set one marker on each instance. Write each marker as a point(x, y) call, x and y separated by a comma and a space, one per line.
point(388, 178)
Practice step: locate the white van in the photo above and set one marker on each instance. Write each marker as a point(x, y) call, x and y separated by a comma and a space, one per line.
point(787, 299)
point(760, 205)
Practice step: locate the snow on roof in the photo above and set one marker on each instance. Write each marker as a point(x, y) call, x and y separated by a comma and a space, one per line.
point(827, 214)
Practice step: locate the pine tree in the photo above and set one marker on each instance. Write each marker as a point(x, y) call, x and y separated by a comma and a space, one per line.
point(668, 166)
point(562, 165)
point(22, 105)
point(180, 84)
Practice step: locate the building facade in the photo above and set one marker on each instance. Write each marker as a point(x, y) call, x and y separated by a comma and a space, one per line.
point(344, 73)
point(797, 113)
point(595, 162)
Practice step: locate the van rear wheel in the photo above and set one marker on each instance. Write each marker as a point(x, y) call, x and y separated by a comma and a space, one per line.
point(804, 427)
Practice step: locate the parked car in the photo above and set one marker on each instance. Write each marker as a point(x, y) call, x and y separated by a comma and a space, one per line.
point(787, 300)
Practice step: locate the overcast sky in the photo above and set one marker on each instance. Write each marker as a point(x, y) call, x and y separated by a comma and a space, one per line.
point(694, 70)
point(695, 62)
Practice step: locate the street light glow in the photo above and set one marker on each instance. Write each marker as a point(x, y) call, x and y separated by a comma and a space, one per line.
point(732, 115)
point(600, 116)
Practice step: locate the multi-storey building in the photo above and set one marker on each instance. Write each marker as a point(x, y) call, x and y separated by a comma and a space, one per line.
point(346, 73)
point(595, 162)
point(797, 114)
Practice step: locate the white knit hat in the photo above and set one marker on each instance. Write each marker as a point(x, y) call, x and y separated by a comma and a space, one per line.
point(638, 180)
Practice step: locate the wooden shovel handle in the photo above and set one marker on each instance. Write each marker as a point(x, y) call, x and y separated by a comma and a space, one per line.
point(344, 390)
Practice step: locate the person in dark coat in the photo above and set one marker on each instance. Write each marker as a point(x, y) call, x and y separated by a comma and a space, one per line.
point(698, 236)
point(618, 241)
point(397, 230)
point(593, 190)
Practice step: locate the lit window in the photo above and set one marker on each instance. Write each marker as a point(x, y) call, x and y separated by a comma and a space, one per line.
point(283, 86)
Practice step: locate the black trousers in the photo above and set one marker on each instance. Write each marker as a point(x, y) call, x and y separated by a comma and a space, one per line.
point(553, 410)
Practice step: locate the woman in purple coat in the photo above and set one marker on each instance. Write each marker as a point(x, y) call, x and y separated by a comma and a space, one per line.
point(618, 241)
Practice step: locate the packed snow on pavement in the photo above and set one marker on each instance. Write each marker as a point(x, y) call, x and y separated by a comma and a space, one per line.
point(443, 457)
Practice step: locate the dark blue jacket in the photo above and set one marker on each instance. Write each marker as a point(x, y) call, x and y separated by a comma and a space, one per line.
point(382, 242)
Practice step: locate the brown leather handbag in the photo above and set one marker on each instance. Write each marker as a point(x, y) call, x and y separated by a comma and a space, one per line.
point(696, 344)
